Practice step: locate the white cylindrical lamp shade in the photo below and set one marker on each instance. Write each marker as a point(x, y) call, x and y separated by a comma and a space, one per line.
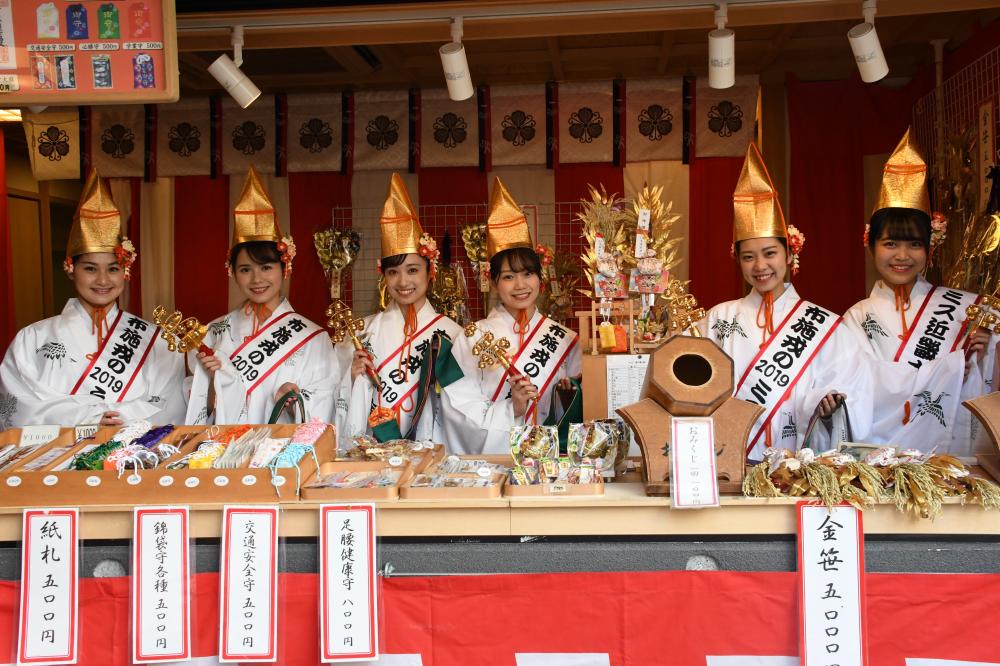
point(868, 52)
point(456, 71)
point(236, 83)
point(721, 58)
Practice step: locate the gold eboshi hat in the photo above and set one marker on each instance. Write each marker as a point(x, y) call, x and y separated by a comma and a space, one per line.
point(904, 180)
point(254, 218)
point(506, 227)
point(401, 230)
point(97, 223)
point(756, 209)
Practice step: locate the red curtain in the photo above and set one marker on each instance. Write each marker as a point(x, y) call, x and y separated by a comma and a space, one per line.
point(201, 243)
point(832, 125)
point(8, 323)
point(458, 195)
point(311, 197)
point(714, 275)
point(135, 283)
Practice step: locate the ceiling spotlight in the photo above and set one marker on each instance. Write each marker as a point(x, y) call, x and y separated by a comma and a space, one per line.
point(456, 67)
point(721, 51)
point(227, 72)
point(866, 46)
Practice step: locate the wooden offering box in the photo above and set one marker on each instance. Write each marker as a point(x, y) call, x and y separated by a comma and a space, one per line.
point(487, 492)
point(52, 486)
point(554, 490)
point(383, 493)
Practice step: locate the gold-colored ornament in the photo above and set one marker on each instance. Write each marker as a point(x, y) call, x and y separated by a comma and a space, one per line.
point(561, 277)
point(904, 179)
point(608, 231)
point(180, 333)
point(449, 295)
point(756, 209)
point(489, 349)
point(400, 228)
point(682, 307)
point(337, 249)
point(661, 222)
point(254, 218)
point(506, 226)
point(984, 314)
point(97, 223)
point(343, 323)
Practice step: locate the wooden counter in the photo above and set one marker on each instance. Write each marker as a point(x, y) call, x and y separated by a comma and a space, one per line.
point(623, 510)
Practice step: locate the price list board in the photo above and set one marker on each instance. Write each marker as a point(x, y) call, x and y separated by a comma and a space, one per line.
point(69, 52)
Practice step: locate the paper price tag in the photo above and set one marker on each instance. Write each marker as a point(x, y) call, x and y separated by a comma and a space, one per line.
point(38, 434)
point(161, 598)
point(694, 484)
point(49, 595)
point(9, 83)
point(348, 595)
point(248, 621)
point(86, 431)
point(831, 573)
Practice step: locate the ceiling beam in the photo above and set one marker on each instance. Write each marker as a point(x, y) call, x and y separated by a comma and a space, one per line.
point(784, 34)
point(666, 45)
point(495, 19)
point(349, 59)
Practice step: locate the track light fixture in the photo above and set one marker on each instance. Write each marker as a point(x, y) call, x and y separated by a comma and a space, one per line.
point(866, 46)
point(721, 51)
point(456, 67)
point(229, 75)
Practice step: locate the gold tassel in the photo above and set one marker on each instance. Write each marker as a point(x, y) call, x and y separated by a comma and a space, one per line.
point(916, 491)
point(985, 492)
point(871, 481)
point(758, 483)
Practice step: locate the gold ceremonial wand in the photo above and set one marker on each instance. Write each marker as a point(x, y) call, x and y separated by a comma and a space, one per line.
point(492, 350)
point(344, 324)
point(179, 333)
point(683, 309)
point(983, 315)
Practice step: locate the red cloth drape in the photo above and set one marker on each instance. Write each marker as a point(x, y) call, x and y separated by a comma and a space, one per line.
point(201, 244)
point(311, 197)
point(714, 275)
point(8, 323)
point(458, 195)
point(832, 125)
point(135, 283)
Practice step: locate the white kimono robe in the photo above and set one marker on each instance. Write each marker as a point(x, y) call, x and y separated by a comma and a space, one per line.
point(934, 392)
point(313, 367)
point(383, 337)
point(477, 424)
point(836, 367)
point(46, 360)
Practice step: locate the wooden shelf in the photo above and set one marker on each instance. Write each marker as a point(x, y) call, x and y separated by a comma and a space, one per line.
point(623, 510)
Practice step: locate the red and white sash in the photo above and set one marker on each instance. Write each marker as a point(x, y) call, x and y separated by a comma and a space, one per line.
point(771, 376)
point(268, 348)
point(543, 352)
point(938, 328)
point(398, 377)
point(117, 363)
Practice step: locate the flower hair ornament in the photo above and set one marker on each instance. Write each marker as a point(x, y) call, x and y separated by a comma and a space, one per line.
point(286, 246)
point(939, 231)
point(796, 241)
point(429, 250)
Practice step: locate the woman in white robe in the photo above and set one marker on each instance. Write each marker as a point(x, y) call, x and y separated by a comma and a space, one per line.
point(926, 361)
point(263, 350)
point(406, 344)
point(93, 363)
point(483, 406)
point(791, 356)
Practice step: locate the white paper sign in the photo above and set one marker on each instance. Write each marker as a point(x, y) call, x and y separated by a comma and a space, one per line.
point(694, 484)
point(161, 598)
point(83, 432)
point(987, 152)
point(49, 568)
point(625, 374)
point(831, 571)
point(38, 434)
point(348, 595)
point(248, 621)
point(8, 52)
